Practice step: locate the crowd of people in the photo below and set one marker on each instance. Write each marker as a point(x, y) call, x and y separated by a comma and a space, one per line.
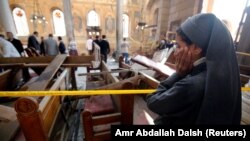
point(51, 47)
point(101, 43)
point(13, 47)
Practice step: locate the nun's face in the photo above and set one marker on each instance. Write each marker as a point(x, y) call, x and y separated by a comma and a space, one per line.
point(182, 48)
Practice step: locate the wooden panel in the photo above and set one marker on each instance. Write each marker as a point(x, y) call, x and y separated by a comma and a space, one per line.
point(244, 69)
point(47, 59)
point(60, 80)
point(150, 81)
point(50, 112)
point(108, 76)
point(43, 65)
point(3, 80)
point(107, 118)
point(9, 113)
point(119, 84)
point(244, 79)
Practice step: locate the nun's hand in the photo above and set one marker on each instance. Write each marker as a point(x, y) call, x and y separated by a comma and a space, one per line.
point(183, 61)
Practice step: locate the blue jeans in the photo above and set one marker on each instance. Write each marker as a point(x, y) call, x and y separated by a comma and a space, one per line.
point(125, 55)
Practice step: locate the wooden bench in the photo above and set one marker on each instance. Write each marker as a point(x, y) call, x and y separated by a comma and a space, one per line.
point(42, 112)
point(100, 112)
point(57, 75)
point(97, 124)
point(4, 77)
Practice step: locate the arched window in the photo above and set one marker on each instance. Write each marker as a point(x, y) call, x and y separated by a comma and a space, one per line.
point(125, 25)
point(93, 19)
point(58, 22)
point(20, 22)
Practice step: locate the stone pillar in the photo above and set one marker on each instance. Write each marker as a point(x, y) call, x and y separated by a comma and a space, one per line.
point(162, 25)
point(119, 33)
point(68, 18)
point(6, 18)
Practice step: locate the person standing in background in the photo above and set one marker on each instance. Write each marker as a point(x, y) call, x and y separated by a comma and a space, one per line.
point(17, 43)
point(72, 47)
point(19, 47)
point(42, 46)
point(33, 42)
point(105, 48)
point(51, 48)
point(61, 45)
point(7, 49)
point(124, 50)
point(97, 40)
point(89, 45)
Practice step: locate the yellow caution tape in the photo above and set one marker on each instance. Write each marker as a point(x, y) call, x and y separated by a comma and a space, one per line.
point(245, 89)
point(80, 92)
point(72, 93)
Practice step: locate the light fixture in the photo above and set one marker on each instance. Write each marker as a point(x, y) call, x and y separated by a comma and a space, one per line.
point(141, 25)
point(37, 17)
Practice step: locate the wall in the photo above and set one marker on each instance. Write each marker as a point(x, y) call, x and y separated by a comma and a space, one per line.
point(105, 8)
point(169, 12)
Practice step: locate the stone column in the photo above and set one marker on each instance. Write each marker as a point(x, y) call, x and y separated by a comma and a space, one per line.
point(68, 18)
point(162, 25)
point(119, 33)
point(6, 18)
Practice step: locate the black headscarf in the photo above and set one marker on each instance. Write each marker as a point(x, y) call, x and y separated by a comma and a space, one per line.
point(222, 99)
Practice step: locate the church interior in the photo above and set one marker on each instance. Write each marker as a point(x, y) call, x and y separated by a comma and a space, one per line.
point(76, 114)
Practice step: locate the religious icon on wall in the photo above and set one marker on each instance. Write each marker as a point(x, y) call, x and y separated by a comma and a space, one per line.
point(110, 24)
point(77, 20)
point(135, 1)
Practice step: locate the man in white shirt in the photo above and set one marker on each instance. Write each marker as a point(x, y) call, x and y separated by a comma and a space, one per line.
point(124, 50)
point(7, 49)
point(89, 45)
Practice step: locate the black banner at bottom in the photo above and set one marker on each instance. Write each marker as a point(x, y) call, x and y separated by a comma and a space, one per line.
point(204, 133)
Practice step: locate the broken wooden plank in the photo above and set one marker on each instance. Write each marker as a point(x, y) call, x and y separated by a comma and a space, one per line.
point(8, 113)
point(44, 79)
point(47, 59)
point(119, 84)
point(42, 65)
point(4, 76)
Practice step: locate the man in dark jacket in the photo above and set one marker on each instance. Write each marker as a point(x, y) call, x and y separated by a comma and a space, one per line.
point(105, 48)
point(33, 42)
point(61, 45)
point(17, 43)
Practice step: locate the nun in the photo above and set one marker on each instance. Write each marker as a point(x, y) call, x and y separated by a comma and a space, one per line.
point(205, 90)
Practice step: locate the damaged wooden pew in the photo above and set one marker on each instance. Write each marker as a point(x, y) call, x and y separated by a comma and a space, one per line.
point(100, 112)
point(42, 112)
